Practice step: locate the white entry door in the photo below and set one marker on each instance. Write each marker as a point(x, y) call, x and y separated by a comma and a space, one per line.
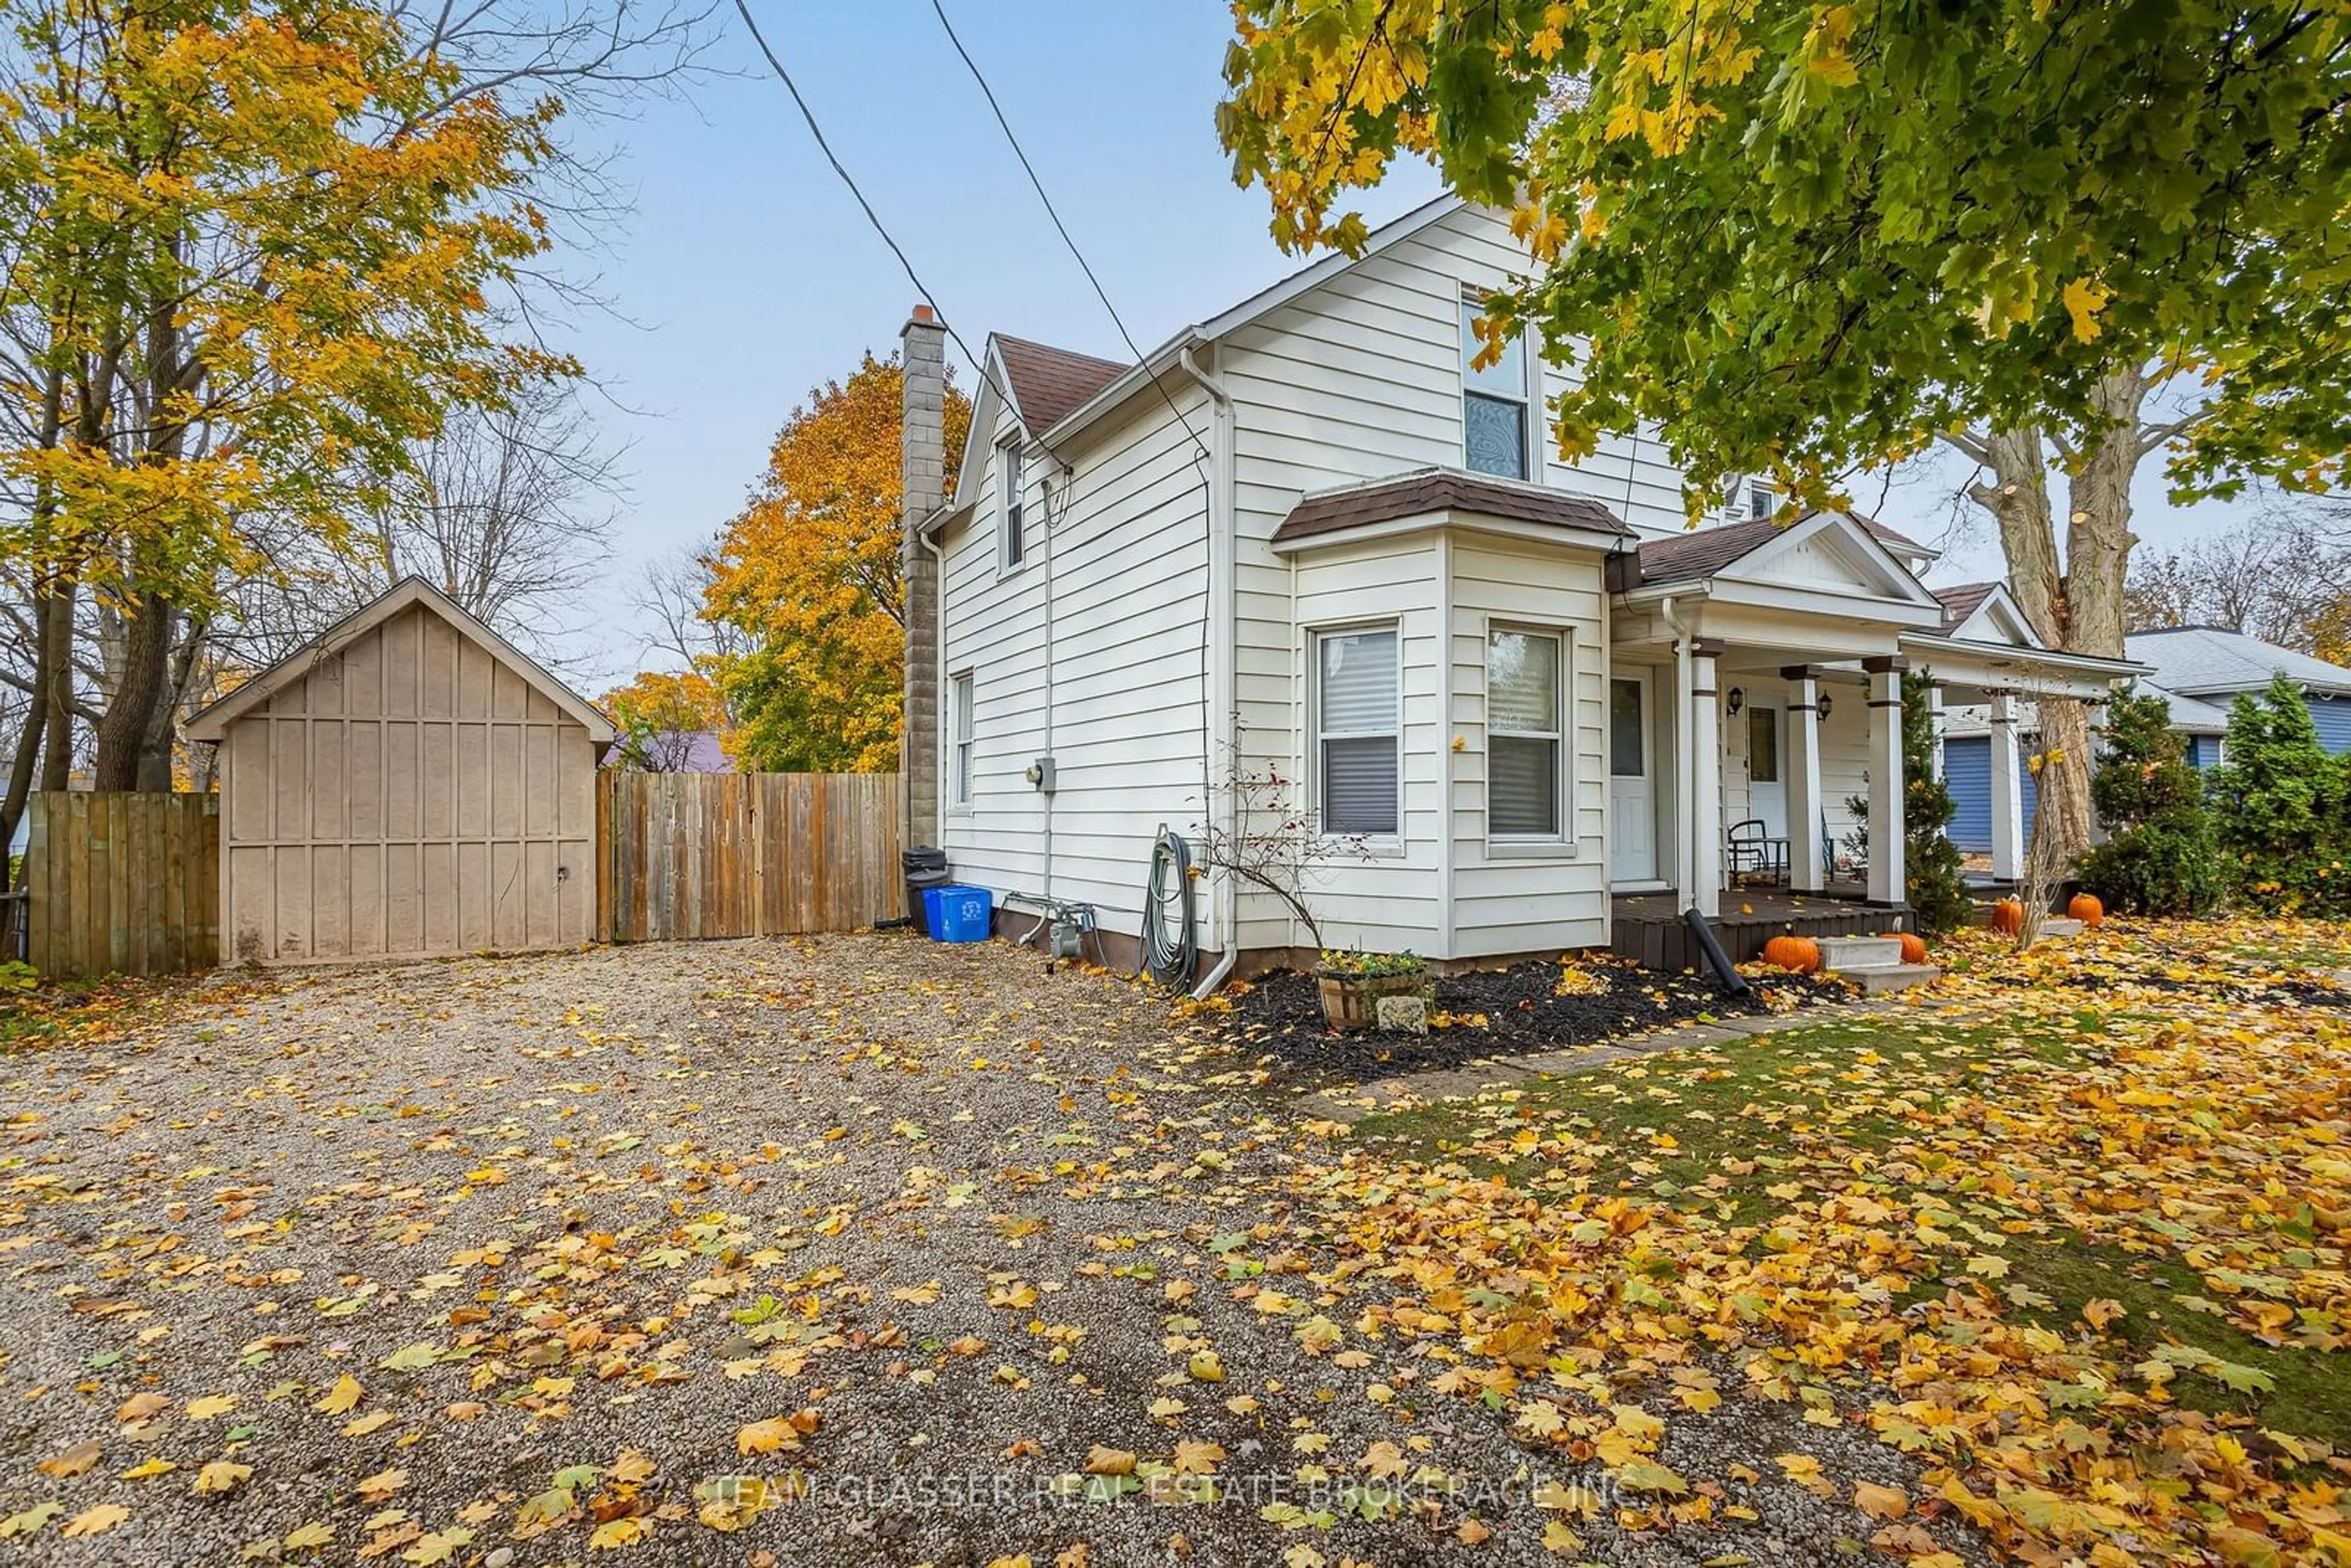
point(1767, 796)
point(1632, 781)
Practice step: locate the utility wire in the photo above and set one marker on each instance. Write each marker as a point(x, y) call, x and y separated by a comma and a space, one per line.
point(1060, 228)
point(816, 131)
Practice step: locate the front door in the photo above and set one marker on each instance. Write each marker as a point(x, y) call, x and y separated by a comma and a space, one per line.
point(1632, 781)
point(1766, 797)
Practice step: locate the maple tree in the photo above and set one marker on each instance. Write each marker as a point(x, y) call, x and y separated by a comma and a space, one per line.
point(659, 713)
point(809, 575)
point(250, 297)
point(1808, 239)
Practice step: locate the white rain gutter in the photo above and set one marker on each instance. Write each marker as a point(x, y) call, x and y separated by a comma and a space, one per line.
point(1221, 587)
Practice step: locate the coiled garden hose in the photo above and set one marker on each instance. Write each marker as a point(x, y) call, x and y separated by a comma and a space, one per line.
point(1172, 957)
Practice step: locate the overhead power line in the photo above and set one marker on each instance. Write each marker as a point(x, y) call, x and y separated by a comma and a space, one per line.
point(1059, 227)
point(817, 132)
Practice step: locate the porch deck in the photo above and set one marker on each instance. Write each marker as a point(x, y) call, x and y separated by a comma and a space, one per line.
point(1650, 931)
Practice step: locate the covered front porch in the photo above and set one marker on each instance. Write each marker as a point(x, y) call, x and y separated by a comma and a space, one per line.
point(1649, 927)
point(1756, 676)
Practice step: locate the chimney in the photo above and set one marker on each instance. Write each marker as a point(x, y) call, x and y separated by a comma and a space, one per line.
point(922, 480)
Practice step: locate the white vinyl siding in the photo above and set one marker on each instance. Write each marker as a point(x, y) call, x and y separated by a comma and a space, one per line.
point(1524, 670)
point(1125, 561)
point(1358, 765)
point(1515, 894)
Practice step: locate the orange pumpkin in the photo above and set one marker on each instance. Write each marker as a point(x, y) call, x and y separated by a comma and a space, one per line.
point(2008, 916)
point(2086, 909)
point(1914, 947)
point(1800, 954)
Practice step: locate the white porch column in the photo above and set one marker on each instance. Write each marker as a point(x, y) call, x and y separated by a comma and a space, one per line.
point(1806, 854)
point(1888, 883)
point(1935, 721)
point(2007, 792)
point(1706, 778)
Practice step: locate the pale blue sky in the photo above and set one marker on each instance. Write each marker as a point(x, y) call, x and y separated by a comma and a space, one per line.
point(746, 274)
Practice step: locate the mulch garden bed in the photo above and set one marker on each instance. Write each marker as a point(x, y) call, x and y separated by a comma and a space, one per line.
point(1280, 1016)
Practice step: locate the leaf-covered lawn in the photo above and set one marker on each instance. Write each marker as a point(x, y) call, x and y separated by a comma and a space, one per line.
point(868, 1250)
point(2072, 1226)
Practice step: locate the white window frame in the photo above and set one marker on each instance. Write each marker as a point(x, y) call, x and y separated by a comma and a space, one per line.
point(1383, 846)
point(1473, 301)
point(1011, 480)
point(1563, 773)
point(962, 748)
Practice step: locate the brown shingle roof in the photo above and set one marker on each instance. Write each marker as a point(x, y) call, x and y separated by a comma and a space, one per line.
point(1047, 383)
point(1963, 600)
point(1441, 489)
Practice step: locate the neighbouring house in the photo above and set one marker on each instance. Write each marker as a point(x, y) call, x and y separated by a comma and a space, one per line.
point(675, 751)
point(1309, 533)
point(405, 785)
point(1981, 611)
point(2216, 666)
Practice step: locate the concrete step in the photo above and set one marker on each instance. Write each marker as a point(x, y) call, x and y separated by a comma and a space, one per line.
point(1877, 979)
point(2061, 925)
point(1848, 952)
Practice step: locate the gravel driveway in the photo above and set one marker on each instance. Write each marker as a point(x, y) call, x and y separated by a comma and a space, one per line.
point(842, 1251)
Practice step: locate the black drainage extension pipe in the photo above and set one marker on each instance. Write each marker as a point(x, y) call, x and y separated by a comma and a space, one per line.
point(1717, 959)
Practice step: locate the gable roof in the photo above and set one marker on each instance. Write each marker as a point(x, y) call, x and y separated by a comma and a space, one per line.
point(213, 722)
point(2199, 660)
point(1425, 490)
point(1047, 382)
point(1702, 552)
point(1132, 379)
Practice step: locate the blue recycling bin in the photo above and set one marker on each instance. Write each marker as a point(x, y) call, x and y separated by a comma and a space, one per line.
point(958, 912)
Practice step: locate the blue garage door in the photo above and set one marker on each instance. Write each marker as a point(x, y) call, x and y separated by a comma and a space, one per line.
point(1967, 772)
point(2333, 716)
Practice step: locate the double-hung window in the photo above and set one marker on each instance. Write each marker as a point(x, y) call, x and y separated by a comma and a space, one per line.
point(959, 742)
point(1014, 547)
point(1494, 422)
point(1523, 786)
point(1357, 731)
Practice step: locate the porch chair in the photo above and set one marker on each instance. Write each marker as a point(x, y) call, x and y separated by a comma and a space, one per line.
point(1749, 849)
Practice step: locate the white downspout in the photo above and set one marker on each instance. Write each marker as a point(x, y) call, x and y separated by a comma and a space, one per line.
point(1685, 741)
point(1222, 589)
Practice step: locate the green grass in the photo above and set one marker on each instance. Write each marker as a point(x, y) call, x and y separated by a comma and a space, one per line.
point(1712, 1129)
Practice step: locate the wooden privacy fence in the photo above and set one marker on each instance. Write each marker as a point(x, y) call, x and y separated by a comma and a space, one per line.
point(123, 884)
point(684, 855)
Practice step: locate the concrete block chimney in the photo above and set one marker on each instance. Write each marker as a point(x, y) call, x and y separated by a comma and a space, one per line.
point(922, 478)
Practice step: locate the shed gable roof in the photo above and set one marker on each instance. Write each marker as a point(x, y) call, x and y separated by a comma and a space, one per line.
point(212, 723)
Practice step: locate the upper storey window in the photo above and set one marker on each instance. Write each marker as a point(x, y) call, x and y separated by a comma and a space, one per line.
point(1494, 402)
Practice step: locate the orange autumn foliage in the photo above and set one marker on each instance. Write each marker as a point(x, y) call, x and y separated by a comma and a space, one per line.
point(809, 572)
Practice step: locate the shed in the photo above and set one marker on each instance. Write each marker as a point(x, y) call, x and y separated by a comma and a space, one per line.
point(407, 784)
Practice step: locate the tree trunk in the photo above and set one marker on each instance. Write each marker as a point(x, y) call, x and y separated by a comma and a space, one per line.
point(2077, 605)
point(56, 753)
point(122, 727)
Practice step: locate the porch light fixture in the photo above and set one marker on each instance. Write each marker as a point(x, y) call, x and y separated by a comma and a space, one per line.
point(1738, 700)
point(1824, 704)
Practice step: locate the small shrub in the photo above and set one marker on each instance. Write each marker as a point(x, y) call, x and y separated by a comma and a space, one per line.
point(2160, 856)
point(1355, 964)
point(2284, 824)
